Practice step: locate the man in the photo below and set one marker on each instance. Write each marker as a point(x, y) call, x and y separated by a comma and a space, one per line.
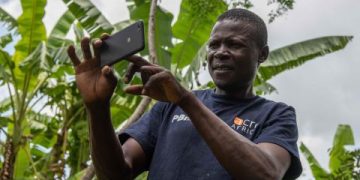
point(222, 133)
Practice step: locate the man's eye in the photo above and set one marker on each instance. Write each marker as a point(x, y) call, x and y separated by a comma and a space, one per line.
point(236, 45)
point(213, 46)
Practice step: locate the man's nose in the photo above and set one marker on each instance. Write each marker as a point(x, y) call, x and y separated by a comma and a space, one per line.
point(222, 52)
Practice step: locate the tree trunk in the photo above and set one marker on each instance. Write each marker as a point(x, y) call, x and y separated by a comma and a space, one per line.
point(7, 170)
point(56, 166)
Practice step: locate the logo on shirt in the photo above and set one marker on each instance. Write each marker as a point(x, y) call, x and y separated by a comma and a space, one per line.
point(246, 126)
point(181, 117)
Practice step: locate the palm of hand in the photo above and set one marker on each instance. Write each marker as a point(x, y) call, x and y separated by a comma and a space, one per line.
point(95, 84)
point(92, 83)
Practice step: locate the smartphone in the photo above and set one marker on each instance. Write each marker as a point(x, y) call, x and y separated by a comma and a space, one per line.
point(122, 44)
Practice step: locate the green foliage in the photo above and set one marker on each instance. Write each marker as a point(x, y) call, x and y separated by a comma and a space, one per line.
point(40, 78)
point(295, 55)
point(89, 17)
point(9, 21)
point(163, 34)
point(343, 164)
point(57, 36)
point(344, 136)
point(316, 168)
point(31, 28)
point(193, 27)
point(5, 40)
point(282, 8)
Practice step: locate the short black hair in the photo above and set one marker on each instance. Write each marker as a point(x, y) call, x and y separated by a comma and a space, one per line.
point(251, 18)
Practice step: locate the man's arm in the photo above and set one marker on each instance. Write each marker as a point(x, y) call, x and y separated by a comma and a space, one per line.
point(242, 158)
point(96, 86)
point(111, 160)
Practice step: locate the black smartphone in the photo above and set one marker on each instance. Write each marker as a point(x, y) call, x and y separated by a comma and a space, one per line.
point(122, 44)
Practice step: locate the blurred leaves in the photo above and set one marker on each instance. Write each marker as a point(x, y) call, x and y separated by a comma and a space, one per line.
point(295, 55)
point(140, 11)
point(31, 28)
point(5, 40)
point(8, 20)
point(44, 113)
point(193, 27)
point(90, 18)
point(343, 164)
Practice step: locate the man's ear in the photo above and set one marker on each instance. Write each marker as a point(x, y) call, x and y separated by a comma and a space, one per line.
point(264, 53)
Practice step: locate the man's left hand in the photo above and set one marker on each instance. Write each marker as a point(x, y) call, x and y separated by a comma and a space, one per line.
point(158, 83)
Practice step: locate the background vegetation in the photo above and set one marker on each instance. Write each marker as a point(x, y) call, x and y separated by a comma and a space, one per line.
point(38, 76)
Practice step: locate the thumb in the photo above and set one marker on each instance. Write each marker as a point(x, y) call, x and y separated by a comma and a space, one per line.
point(108, 72)
point(134, 89)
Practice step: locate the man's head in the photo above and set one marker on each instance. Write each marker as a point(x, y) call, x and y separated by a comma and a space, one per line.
point(243, 15)
point(237, 46)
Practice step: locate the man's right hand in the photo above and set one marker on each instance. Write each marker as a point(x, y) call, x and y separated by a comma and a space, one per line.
point(96, 84)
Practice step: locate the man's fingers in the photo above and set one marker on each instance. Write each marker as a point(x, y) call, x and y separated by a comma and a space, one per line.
point(107, 71)
point(131, 70)
point(137, 60)
point(72, 54)
point(134, 89)
point(153, 82)
point(151, 69)
point(85, 47)
point(96, 48)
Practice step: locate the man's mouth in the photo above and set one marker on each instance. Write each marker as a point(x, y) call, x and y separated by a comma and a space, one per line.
point(222, 67)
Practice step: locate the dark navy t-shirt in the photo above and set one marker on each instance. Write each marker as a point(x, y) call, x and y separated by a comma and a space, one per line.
point(177, 151)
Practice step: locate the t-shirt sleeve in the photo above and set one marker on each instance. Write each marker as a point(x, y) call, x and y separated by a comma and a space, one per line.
point(281, 129)
point(145, 130)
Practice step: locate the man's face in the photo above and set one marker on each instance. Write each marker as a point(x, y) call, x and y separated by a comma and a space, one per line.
point(233, 55)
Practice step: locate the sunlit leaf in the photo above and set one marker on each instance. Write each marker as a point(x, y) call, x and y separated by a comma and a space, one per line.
point(22, 162)
point(294, 55)
point(79, 32)
point(5, 40)
point(6, 67)
point(31, 28)
point(163, 34)
point(119, 114)
point(344, 136)
point(5, 105)
point(9, 21)
point(264, 88)
point(123, 24)
point(78, 176)
point(90, 18)
point(60, 30)
point(316, 169)
point(193, 28)
point(38, 60)
point(193, 71)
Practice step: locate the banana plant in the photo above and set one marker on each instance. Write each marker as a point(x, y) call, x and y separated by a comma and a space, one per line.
point(23, 73)
point(39, 76)
point(343, 163)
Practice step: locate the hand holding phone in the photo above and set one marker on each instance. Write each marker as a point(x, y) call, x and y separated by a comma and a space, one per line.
point(123, 44)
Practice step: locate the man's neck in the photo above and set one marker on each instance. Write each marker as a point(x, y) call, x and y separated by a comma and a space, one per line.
point(241, 93)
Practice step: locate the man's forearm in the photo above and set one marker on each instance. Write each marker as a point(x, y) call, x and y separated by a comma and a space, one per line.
point(106, 151)
point(239, 156)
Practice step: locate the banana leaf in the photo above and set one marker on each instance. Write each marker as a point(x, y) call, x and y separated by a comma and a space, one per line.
point(90, 18)
point(296, 54)
point(316, 169)
point(344, 136)
point(193, 27)
point(163, 35)
point(8, 20)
